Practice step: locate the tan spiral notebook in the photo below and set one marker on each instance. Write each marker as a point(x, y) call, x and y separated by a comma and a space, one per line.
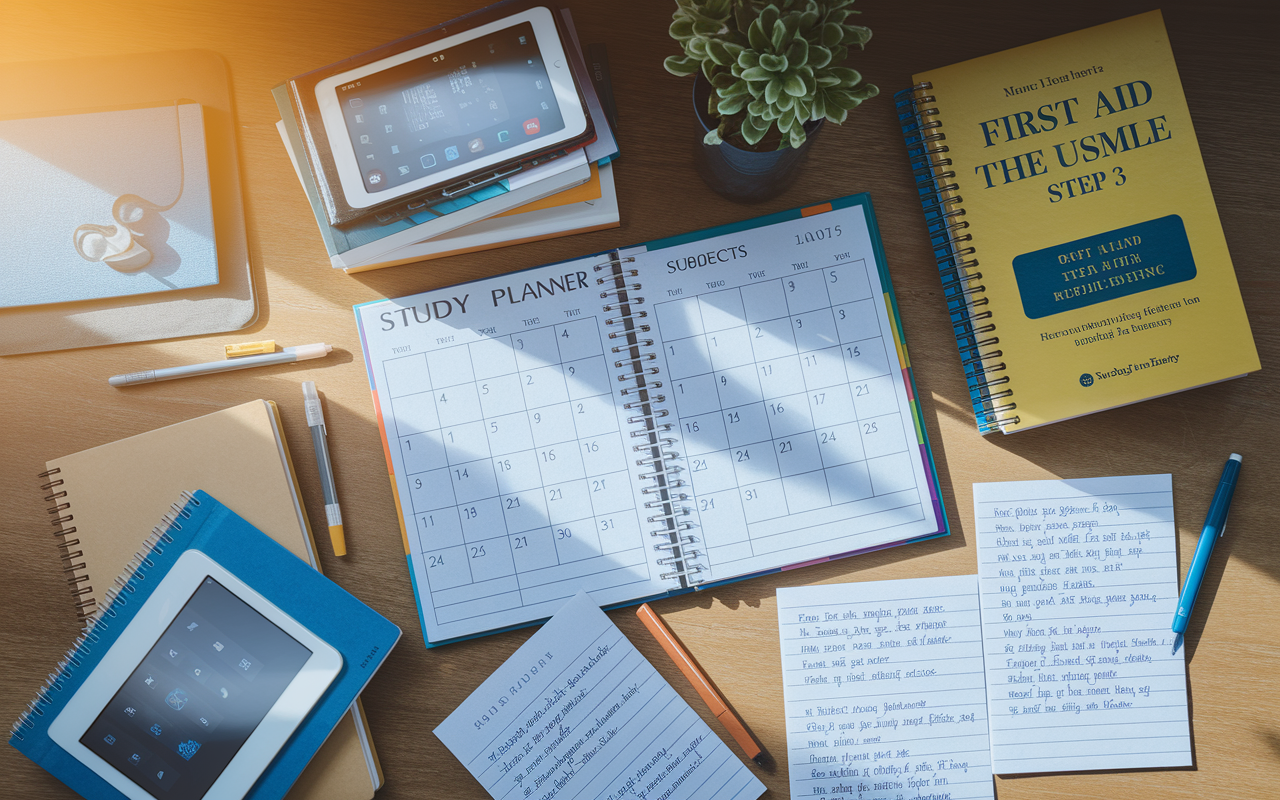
point(107, 499)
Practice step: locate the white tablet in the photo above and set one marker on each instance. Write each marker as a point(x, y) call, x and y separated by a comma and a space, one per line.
point(426, 117)
point(200, 691)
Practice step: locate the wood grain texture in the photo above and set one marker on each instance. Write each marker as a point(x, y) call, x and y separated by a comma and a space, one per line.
point(60, 403)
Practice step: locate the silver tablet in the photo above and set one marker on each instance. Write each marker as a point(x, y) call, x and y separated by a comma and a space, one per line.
point(200, 691)
point(481, 98)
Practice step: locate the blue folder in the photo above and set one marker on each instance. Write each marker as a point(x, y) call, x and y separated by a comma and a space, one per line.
point(363, 637)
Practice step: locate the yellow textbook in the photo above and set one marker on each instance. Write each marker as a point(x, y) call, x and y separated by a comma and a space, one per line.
point(1082, 258)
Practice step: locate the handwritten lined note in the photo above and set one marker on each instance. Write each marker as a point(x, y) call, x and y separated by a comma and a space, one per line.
point(578, 712)
point(1079, 584)
point(884, 690)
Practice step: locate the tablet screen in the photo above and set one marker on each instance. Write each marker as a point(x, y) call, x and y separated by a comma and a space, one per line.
point(199, 693)
point(448, 108)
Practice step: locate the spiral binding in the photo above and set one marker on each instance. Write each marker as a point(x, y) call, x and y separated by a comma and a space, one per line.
point(105, 611)
point(81, 592)
point(967, 303)
point(640, 396)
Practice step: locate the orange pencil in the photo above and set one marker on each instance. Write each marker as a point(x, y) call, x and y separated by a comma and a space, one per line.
point(696, 677)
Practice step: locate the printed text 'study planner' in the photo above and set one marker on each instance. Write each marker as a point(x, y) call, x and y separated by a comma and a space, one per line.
point(650, 420)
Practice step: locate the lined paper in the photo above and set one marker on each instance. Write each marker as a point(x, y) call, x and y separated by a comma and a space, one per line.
point(884, 690)
point(578, 712)
point(1079, 583)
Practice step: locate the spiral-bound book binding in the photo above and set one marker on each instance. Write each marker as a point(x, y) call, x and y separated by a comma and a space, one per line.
point(967, 304)
point(102, 614)
point(664, 493)
point(72, 559)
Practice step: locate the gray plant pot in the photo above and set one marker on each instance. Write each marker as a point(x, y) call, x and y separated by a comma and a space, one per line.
point(744, 176)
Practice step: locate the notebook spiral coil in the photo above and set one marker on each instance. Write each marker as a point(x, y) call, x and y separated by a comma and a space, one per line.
point(666, 509)
point(957, 259)
point(71, 568)
point(104, 612)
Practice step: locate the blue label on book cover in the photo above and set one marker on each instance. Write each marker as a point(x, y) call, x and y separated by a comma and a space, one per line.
point(1104, 266)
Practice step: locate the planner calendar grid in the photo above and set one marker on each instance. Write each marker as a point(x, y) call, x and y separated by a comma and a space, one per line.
point(787, 405)
point(517, 477)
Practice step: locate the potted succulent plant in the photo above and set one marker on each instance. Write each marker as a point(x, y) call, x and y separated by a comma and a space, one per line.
point(767, 75)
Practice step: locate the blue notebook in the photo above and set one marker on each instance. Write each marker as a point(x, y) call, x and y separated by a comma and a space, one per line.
point(652, 420)
point(361, 635)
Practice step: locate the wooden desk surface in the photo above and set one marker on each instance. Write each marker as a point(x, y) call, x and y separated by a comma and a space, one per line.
point(60, 403)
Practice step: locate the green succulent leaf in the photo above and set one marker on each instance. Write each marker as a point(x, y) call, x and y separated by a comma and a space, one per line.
point(707, 27)
point(797, 137)
point(798, 52)
point(681, 66)
point(709, 68)
point(785, 101)
point(768, 16)
point(856, 34)
point(712, 137)
point(802, 111)
point(753, 135)
point(848, 77)
point(758, 124)
point(787, 120)
point(818, 108)
point(793, 85)
point(819, 56)
point(773, 63)
point(681, 29)
point(718, 53)
point(731, 105)
point(779, 36)
point(756, 36)
point(757, 74)
point(748, 58)
point(832, 34)
point(757, 108)
point(773, 91)
point(735, 89)
point(697, 47)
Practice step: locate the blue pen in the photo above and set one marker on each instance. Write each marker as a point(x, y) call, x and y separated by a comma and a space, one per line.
point(1214, 527)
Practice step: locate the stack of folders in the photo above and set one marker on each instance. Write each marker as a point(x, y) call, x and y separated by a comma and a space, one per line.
point(572, 194)
point(108, 497)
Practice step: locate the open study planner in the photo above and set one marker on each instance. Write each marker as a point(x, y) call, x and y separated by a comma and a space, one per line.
point(650, 420)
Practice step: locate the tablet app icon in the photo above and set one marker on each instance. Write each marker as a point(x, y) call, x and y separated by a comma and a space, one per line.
point(188, 748)
point(451, 153)
point(532, 126)
point(156, 730)
point(476, 145)
point(177, 699)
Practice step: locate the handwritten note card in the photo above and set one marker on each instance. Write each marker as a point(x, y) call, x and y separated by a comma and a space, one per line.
point(578, 712)
point(1079, 584)
point(884, 690)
